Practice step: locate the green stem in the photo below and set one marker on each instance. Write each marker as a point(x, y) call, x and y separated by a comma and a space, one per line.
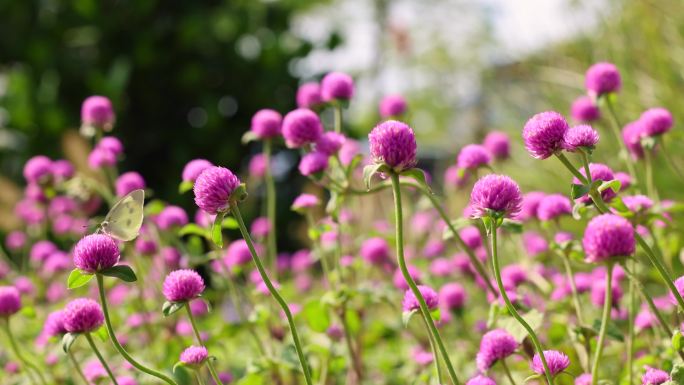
point(20, 356)
point(78, 368)
point(274, 293)
point(353, 357)
point(571, 168)
point(624, 153)
point(270, 206)
point(631, 308)
point(435, 354)
point(198, 375)
point(399, 226)
point(585, 164)
point(338, 118)
point(607, 305)
point(195, 329)
point(573, 287)
point(507, 371)
point(115, 341)
point(648, 166)
point(511, 308)
point(99, 357)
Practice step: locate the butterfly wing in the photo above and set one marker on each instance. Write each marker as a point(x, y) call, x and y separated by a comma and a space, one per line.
point(125, 218)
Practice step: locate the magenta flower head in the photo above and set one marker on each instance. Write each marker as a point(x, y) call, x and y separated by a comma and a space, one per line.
point(305, 201)
point(330, 143)
point(182, 285)
point(394, 144)
point(584, 109)
point(583, 379)
point(544, 134)
point(41, 250)
point(337, 86)
point(530, 205)
point(194, 168)
point(38, 169)
point(631, 136)
point(313, 163)
point(82, 315)
point(495, 345)
point(495, 195)
point(301, 127)
point(237, 253)
point(194, 356)
point(266, 123)
point(579, 137)
point(656, 121)
point(452, 296)
point(128, 182)
point(410, 301)
point(96, 252)
point(553, 206)
point(111, 144)
point(10, 301)
point(598, 172)
point(97, 111)
point(172, 216)
point(62, 169)
point(638, 204)
point(16, 240)
point(602, 78)
point(375, 250)
point(257, 166)
point(471, 237)
point(392, 106)
point(654, 376)
point(608, 236)
point(213, 189)
point(455, 177)
point(625, 180)
point(480, 380)
point(53, 326)
point(101, 157)
point(498, 144)
point(473, 156)
point(309, 95)
point(557, 361)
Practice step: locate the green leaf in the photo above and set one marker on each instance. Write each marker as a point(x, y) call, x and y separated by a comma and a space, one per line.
point(102, 334)
point(333, 203)
point(677, 374)
point(154, 207)
point(371, 170)
point(193, 229)
point(171, 307)
point(618, 204)
point(614, 185)
point(532, 377)
point(68, 340)
point(216, 234)
point(677, 340)
point(419, 176)
point(534, 318)
point(123, 272)
point(316, 315)
point(579, 190)
point(249, 136)
point(612, 330)
point(406, 316)
point(178, 364)
point(77, 278)
point(28, 311)
point(512, 226)
point(436, 315)
point(230, 223)
point(185, 186)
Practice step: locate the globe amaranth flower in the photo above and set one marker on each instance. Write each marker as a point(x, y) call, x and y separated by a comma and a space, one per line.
point(631, 136)
point(41, 250)
point(301, 127)
point(473, 156)
point(52, 327)
point(495, 193)
point(349, 150)
point(305, 201)
point(563, 237)
point(257, 166)
point(172, 216)
point(498, 144)
point(534, 243)
point(530, 205)
point(337, 86)
point(82, 315)
point(452, 296)
point(260, 227)
point(309, 95)
point(62, 169)
point(194, 168)
point(654, 376)
point(394, 144)
point(471, 237)
point(10, 301)
point(410, 301)
point(194, 356)
point(266, 123)
point(598, 172)
point(456, 177)
point(583, 379)
point(330, 143)
point(111, 144)
point(37, 169)
point(656, 121)
point(15, 240)
point(441, 267)
point(375, 250)
point(128, 182)
point(557, 362)
point(625, 180)
point(553, 206)
point(182, 285)
point(513, 276)
point(96, 252)
point(597, 295)
point(433, 248)
point(145, 246)
point(480, 380)
point(237, 253)
point(392, 106)
point(608, 236)
point(97, 111)
point(313, 163)
point(400, 282)
point(584, 109)
point(638, 204)
point(100, 157)
point(544, 134)
point(602, 78)
point(495, 345)
point(578, 137)
point(213, 189)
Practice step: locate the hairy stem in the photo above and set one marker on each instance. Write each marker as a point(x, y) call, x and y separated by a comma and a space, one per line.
point(605, 318)
point(210, 365)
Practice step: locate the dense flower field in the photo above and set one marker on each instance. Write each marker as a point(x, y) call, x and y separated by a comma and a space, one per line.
point(465, 280)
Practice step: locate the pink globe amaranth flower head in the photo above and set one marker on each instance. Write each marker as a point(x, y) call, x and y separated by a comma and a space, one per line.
point(30, 211)
point(625, 180)
point(473, 156)
point(309, 95)
point(194, 168)
point(194, 356)
point(394, 144)
point(631, 135)
point(375, 251)
point(557, 362)
point(305, 201)
point(82, 315)
point(553, 206)
point(421, 356)
point(126, 380)
point(182, 285)
point(638, 204)
point(25, 285)
point(471, 236)
point(602, 78)
point(171, 217)
point(97, 111)
point(513, 276)
point(301, 127)
point(584, 109)
point(266, 123)
point(337, 86)
point(598, 293)
point(495, 345)
point(654, 376)
point(260, 227)
point(434, 248)
point(530, 205)
point(498, 144)
point(400, 282)
point(608, 236)
point(10, 301)
point(62, 205)
point(213, 189)
point(495, 194)
point(171, 257)
point(101, 157)
point(94, 371)
point(145, 246)
point(237, 253)
point(38, 169)
point(583, 379)
point(335, 332)
point(600, 172)
point(330, 143)
point(35, 192)
point(644, 320)
point(15, 240)
point(313, 163)
point(456, 177)
point(62, 169)
point(578, 137)
point(111, 144)
point(392, 106)
point(257, 166)
point(656, 121)
point(96, 252)
point(41, 250)
point(301, 261)
point(441, 267)
point(128, 182)
point(430, 296)
point(452, 296)
point(54, 325)
point(563, 237)
point(480, 380)
point(544, 134)
point(349, 150)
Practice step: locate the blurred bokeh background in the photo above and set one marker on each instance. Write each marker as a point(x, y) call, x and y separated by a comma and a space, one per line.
point(186, 77)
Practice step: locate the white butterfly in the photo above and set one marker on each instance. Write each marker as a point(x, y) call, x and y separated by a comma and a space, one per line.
point(125, 218)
